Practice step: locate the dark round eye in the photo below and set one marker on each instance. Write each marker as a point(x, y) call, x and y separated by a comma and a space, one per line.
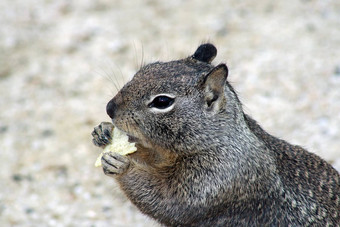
point(161, 102)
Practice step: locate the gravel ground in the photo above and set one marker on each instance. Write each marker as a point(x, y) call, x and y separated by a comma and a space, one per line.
point(62, 61)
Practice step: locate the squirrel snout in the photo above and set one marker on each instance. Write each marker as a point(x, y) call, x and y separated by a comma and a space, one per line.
point(111, 108)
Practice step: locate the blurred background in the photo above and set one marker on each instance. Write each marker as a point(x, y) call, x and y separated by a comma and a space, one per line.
point(62, 61)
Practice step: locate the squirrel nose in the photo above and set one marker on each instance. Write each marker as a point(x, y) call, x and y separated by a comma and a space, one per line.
point(110, 108)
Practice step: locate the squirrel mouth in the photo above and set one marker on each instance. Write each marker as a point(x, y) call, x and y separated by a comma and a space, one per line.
point(133, 139)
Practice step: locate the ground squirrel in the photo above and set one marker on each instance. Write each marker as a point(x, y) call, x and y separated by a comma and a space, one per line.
point(201, 161)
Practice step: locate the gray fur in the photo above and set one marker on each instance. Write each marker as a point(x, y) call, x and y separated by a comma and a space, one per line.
point(205, 162)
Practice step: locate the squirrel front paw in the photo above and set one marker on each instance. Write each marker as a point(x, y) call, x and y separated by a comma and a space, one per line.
point(114, 163)
point(102, 134)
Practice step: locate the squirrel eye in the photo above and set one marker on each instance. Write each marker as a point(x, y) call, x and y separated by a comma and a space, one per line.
point(161, 102)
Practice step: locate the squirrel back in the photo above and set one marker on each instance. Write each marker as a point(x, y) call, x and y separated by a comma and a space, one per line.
point(312, 183)
point(201, 161)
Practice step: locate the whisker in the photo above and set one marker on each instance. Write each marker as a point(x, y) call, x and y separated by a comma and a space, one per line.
point(109, 78)
point(117, 79)
point(142, 59)
point(112, 74)
point(121, 75)
point(135, 56)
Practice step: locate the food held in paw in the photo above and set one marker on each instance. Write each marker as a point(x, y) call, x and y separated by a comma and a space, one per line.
point(120, 144)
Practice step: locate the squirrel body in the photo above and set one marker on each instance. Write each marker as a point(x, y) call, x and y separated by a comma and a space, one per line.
point(201, 161)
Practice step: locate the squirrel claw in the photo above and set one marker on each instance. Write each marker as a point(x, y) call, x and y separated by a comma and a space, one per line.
point(102, 134)
point(114, 163)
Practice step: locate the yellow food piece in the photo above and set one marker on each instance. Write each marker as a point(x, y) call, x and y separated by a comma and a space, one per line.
point(120, 144)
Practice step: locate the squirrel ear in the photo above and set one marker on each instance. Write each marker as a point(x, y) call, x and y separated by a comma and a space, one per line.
point(205, 52)
point(213, 84)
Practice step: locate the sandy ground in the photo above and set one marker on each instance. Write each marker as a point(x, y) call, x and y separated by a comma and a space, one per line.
point(60, 61)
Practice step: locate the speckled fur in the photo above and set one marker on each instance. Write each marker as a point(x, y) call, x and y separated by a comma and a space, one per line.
point(201, 165)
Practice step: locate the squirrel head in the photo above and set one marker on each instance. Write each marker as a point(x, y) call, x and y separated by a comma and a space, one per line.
point(177, 105)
